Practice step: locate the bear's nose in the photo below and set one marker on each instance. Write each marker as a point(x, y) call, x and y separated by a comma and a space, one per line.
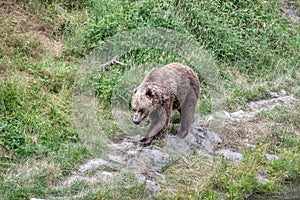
point(136, 122)
point(136, 119)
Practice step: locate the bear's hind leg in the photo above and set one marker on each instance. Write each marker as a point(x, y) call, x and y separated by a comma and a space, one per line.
point(159, 120)
point(187, 112)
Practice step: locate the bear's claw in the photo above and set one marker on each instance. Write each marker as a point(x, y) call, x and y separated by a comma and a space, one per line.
point(182, 134)
point(145, 141)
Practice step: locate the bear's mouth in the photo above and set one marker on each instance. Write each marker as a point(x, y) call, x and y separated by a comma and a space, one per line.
point(137, 118)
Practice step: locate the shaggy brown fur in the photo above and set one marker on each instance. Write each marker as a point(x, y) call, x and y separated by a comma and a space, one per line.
point(174, 86)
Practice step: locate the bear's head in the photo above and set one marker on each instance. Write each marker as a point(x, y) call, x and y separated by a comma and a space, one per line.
point(142, 102)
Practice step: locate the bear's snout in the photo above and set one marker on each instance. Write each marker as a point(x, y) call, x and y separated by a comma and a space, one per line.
point(136, 118)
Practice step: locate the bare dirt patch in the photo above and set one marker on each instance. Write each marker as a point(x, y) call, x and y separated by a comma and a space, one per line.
point(34, 26)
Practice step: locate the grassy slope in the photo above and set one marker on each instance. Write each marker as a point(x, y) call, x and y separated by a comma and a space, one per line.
point(256, 48)
point(38, 142)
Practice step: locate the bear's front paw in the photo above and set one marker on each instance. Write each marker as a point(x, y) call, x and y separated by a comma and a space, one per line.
point(182, 134)
point(145, 141)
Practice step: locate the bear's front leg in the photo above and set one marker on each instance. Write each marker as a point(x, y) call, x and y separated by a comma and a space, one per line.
point(159, 121)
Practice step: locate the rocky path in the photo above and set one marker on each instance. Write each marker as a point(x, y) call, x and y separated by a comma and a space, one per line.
point(148, 162)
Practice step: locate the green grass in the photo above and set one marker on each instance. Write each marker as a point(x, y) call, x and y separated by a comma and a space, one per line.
point(36, 122)
point(254, 46)
point(220, 178)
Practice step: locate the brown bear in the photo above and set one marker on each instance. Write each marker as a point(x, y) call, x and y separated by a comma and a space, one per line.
point(174, 86)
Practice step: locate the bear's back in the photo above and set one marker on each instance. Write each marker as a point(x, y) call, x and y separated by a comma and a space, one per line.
point(187, 74)
point(174, 77)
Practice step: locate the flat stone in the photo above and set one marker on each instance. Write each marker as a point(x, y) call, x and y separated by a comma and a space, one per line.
point(269, 104)
point(214, 137)
point(190, 140)
point(211, 140)
point(262, 179)
point(208, 145)
point(233, 156)
point(91, 164)
point(217, 120)
point(106, 175)
point(121, 146)
point(198, 132)
point(271, 157)
point(141, 178)
point(135, 138)
point(78, 177)
point(117, 159)
point(238, 114)
point(283, 92)
point(98, 176)
point(149, 160)
point(151, 186)
point(251, 146)
point(223, 114)
point(274, 95)
point(180, 146)
point(210, 118)
point(291, 11)
point(202, 153)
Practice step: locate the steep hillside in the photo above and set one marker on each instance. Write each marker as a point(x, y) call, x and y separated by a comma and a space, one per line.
point(44, 50)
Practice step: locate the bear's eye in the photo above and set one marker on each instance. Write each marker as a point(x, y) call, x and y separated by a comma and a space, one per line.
point(141, 110)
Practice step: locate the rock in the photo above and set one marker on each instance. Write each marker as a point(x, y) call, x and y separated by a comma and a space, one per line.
point(190, 140)
point(149, 160)
point(211, 140)
point(107, 174)
point(262, 179)
point(61, 10)
point(151, 186)
point(141, 178)
point(124, 145)
point(274, 95)
point(270, 104)
point(104, 176)
point(208, 145)
point(233, 156)
point(210, 118)
point(75, 177)
point(214, 137)
point(271, 157)
point(178, 146)
point(202, 153)
point(291, 11)
point(98, 176)
point(117, 159)
point(283, 92)
point(198, 131)
point(135, 138)
point(238, 114)
point(223, 114)
point(286, 100)
point(91, 164)
point(251, 146)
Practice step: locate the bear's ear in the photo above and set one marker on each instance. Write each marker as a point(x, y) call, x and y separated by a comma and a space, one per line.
point(134, 89)
point(150, 92)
